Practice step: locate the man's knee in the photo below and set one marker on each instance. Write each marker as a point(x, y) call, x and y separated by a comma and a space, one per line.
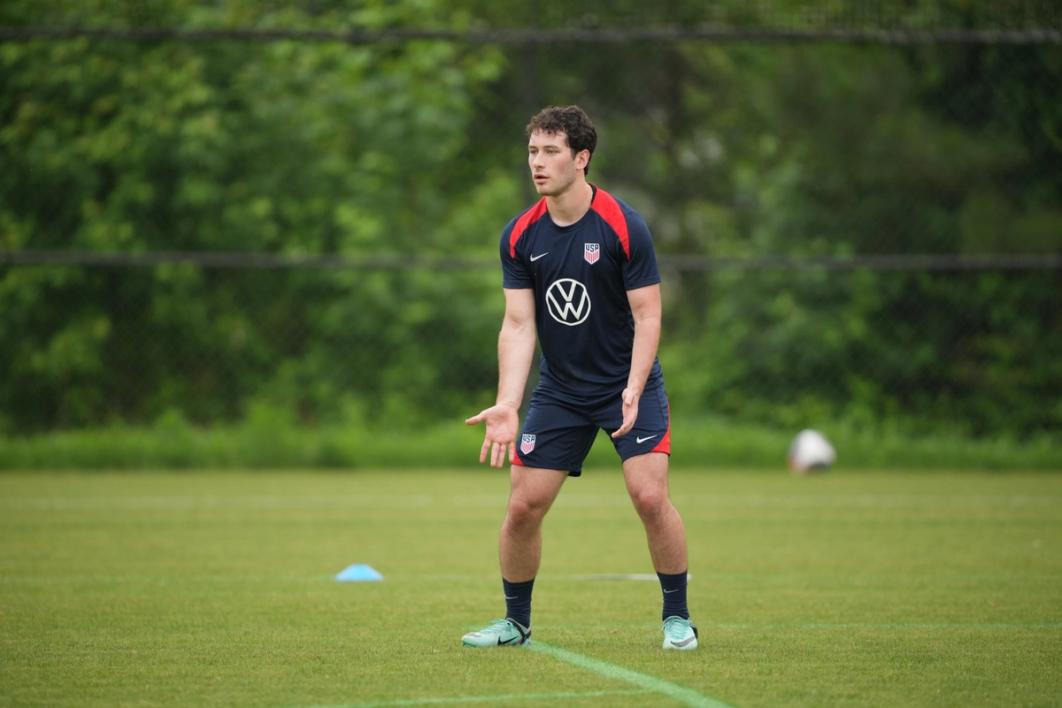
point(525, 511)
point(650, 500)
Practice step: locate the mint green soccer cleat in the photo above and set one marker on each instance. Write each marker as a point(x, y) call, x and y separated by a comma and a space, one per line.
point(499, 633)
point(679, 634)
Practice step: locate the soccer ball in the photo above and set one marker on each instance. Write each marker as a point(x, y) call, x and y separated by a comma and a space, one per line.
point(810, 451)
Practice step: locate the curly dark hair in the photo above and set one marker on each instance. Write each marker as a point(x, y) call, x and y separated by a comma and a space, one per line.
point(570, 120)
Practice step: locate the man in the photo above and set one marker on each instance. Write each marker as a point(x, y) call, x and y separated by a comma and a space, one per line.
point(580, 272)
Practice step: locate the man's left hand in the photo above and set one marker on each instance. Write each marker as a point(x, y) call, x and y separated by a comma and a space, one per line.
point(630, 398)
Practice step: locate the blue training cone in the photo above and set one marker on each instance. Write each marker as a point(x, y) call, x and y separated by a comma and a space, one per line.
point(359, 573)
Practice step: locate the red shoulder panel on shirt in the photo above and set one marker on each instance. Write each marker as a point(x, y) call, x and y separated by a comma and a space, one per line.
point(609, 209)
point(526, 219)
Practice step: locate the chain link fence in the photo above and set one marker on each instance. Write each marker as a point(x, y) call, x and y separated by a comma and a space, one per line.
point(866, 230)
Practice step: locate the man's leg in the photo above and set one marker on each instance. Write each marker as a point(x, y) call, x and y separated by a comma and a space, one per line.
point(646, 478)
point(532, 492)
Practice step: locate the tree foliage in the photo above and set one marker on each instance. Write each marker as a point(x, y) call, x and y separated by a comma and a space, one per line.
point(415, 148)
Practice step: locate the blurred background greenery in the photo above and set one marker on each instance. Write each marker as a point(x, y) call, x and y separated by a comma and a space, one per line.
point(282, 248)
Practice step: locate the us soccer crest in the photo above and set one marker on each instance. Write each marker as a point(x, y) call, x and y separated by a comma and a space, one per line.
point(527, 444)
point(591, 252)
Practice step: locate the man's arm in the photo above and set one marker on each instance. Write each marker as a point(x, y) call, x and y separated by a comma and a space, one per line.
point(645, 306)
point(516, 348)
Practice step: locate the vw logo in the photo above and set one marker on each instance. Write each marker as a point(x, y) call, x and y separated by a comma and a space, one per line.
point(568, 302)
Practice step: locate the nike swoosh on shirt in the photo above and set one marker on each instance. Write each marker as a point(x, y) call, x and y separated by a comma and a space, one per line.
point(641, 440)
point(541, 255)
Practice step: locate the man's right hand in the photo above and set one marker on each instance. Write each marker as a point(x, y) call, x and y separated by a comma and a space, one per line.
point(502, 422)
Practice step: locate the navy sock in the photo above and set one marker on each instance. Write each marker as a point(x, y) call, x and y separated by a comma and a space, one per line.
point(518, 601)
point(674, 588)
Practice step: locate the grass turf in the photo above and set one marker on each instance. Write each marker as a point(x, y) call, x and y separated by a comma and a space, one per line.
point(869, 588)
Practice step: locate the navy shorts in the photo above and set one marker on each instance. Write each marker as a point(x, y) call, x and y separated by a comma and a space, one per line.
point(558, 435)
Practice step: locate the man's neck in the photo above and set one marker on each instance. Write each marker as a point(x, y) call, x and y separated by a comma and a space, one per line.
point(571, 205)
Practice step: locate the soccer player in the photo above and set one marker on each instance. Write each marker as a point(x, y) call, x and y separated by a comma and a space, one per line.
point(579, 271)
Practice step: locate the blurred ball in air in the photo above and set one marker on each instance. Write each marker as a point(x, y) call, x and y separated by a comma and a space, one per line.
point(810, 451)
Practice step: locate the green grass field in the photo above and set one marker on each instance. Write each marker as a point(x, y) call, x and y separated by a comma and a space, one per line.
point(850, 588)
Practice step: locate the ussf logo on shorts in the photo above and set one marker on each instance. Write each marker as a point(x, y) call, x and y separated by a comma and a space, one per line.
point(591, 252)
point(527, 444)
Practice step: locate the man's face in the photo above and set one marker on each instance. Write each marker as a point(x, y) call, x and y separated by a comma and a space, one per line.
point(553, 167)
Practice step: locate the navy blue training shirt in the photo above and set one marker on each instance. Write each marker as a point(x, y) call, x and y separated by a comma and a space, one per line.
point(581, 274)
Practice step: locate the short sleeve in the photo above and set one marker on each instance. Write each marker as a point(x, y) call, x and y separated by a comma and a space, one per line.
point(515, 273)
point(641, 269)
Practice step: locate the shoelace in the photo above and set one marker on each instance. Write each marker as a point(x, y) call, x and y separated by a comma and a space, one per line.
point(675, 629)
point(499, 625)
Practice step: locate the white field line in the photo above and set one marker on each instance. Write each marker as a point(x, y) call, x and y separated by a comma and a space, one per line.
point(500, 698)
point(685, 696)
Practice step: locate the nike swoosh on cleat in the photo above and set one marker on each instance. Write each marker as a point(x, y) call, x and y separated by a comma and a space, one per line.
point(541, 255)
point(683, 643)
point(641, 440)
point(510, 640)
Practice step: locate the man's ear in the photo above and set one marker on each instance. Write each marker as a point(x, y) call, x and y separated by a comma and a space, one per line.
point(582, 159)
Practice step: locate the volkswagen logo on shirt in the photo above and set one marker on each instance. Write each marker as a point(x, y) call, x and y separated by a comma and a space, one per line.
point(568, 302)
